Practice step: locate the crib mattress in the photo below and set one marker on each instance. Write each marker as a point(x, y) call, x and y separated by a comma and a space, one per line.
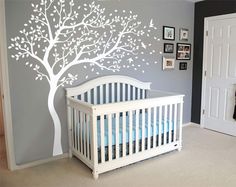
point(106, 138)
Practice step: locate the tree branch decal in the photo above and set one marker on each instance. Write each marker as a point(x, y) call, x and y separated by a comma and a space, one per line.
point(61, 35)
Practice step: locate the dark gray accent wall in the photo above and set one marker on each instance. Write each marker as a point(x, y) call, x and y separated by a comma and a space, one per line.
point(32, 124)
point(204, 9)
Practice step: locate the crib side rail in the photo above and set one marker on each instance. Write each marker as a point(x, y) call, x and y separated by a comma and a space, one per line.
point(139, 126)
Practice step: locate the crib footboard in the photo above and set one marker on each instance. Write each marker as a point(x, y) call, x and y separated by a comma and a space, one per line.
point(80, 130)
point(114, 135)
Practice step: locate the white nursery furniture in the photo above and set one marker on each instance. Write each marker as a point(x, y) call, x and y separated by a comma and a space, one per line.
point(115, 121)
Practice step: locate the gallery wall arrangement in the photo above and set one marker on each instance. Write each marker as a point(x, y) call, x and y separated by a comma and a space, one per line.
point(183, 50)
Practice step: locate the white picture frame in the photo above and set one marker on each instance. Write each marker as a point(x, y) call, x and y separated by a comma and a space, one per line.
point(183, 34)
point(168, 63)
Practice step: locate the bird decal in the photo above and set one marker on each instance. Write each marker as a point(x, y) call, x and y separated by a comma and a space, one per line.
point(143, 45)
point(151, 23)
point(130, 60)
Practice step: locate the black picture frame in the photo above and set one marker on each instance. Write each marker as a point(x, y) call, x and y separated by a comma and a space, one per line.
point(183, 51)
point(168, 48)
point(183, 66)
point(168, 33)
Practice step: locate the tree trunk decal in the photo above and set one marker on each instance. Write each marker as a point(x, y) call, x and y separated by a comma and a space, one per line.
point(57, 148)
point(61, 35)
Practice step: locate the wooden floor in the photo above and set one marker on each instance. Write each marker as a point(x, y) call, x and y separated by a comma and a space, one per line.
point(3, 160)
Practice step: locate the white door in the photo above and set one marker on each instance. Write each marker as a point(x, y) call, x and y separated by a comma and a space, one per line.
point(219, 74)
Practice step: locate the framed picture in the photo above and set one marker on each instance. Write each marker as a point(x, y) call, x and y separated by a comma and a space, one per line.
point(168, 63)
point(183, 34)
point(183, 51)
point(183, 66)
point(168, 33)
point(168, 48)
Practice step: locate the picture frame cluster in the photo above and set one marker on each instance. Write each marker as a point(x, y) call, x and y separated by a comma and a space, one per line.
point(183, 50)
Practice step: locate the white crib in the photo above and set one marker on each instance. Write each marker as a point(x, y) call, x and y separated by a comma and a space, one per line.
point(115, 121)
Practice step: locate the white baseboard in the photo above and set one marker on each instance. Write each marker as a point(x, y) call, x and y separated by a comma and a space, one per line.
point(39, 162)
point(195, 124)
point(190, 123)
point(186, 124)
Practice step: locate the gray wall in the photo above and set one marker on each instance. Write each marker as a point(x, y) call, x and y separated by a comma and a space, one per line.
point(32, 124)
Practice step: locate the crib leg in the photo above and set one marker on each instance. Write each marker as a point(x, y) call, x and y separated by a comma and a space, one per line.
point(95, 175)
point(180, 148)
point(70, 154)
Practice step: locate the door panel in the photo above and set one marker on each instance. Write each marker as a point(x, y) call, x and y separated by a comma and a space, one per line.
point(216, 60)
point(220, 77)
point(214, 102)
point(229, 105)
point(231, 47)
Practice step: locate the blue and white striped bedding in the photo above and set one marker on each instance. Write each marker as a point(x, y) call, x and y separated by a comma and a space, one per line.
point(106, 138)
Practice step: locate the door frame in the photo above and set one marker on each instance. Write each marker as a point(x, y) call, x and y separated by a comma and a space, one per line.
point(204, 64)
point(5, 97)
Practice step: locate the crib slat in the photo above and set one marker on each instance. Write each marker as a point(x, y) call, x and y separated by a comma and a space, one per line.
point(94, 140)
point(170, 123)
point(124, 133)
point(123, 92)
point(74, 129)
point(77, 128)
point(143, 129)
point(130, 132)
point(143, 94)
point(88, 134)
point(89, 96)
point(133, 97)
point(138, 90)
point(110, 137)
point(107, 93)
point(136, 131)
point(84, 133)
point(149, 129)
point(160, 126)
point(118, 92)
point(81, 132)
point(154, 126)
point(71, 121)
point(128, 93)
point(117, 135)
point(82, 97)
point(101, 94)
point(112, 92)
point(175, 120)
point(95, 96)
point(102, 139)
point(165, 124)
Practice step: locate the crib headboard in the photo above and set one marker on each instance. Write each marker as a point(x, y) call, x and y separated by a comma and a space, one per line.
point(108, 89)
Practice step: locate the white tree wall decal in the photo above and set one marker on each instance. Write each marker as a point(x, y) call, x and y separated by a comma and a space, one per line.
point(57, 37)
